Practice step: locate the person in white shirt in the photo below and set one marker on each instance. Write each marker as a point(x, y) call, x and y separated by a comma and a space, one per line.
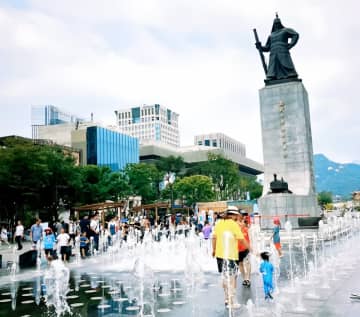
point(63, 241)
point(95, 230)
point(4, 236)
point(19, 234)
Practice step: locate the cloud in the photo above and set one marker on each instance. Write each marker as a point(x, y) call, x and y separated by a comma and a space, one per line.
point(197, 58)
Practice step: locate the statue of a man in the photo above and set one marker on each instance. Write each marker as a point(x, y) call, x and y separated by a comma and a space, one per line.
point(280, 63)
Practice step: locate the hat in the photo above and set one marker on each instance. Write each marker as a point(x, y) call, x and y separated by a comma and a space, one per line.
point(276, 220)
point(233, 210)
point(244, 212)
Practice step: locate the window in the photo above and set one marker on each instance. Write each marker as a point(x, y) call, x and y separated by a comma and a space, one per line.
point(207, 142)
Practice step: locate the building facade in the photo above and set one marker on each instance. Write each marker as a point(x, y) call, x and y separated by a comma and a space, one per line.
point(192, 155)
point(150, 123)
point(221, 141)
point(105, 147)
point(48, 115)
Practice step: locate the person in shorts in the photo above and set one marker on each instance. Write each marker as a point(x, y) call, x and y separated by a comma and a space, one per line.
point(276, 235)
point(244, 250)
point(225, 239)
point(63, 240)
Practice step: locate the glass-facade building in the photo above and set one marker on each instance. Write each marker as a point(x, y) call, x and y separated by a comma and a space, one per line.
point(110, 148)
point(49, 115)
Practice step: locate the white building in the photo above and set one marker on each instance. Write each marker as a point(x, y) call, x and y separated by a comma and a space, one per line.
point(150, 123)
point(222, 141)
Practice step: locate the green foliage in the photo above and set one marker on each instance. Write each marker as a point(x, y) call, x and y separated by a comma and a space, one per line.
point(194, 189)
point(100, 183)
point(229, 184)
point(34, 177)
point(324, 198)
point(143, 180)
point(171, 164)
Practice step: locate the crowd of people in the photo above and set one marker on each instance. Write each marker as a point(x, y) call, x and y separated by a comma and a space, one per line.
point(227, 231)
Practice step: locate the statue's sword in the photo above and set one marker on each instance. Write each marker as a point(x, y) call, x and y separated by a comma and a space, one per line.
point(262, 57)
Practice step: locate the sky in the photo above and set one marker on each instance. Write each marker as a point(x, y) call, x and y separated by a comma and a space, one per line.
point(195, 57)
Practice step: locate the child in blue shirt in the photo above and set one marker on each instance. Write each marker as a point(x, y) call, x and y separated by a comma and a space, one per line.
point(267, 270)
point(49, 242)
point(84, 242)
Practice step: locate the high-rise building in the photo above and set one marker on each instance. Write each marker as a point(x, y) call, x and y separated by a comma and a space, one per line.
point(221, 141)
point(150, 123)
point(46, 115)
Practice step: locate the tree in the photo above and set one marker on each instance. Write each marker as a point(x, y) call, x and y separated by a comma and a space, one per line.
point(251, 185)
point(171, 164)
point(143, 180)
point(33, 177)
point(224, 174)
point(324, 198)
point(194, 189)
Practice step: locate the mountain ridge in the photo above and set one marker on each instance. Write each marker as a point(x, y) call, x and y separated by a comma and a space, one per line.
point(339, 178)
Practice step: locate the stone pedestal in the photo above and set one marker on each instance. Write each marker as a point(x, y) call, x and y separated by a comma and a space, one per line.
point(287, 149)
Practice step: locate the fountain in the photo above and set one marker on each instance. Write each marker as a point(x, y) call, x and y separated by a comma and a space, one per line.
point(117, 280)
point(56, 281)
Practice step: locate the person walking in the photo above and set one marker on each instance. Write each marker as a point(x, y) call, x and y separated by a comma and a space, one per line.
point(267, 270)
point(244, 251)
point(225, 239)
point(36, 232)
point(19, 234)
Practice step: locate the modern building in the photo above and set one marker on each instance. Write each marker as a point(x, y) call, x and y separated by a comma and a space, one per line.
point(222, 141)
point(150, 123)
point(104, 147)
point(48, 115)
point(153, 151)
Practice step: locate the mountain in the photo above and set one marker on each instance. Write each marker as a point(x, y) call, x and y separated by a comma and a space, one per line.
point(340, 179)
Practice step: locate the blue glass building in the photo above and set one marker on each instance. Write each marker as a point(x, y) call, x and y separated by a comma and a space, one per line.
point(110, 148)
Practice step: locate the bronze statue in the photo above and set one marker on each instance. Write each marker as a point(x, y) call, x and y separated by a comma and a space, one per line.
point(280, 67)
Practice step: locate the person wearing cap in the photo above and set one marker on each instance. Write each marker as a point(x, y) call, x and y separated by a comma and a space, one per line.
point(49, 242)
point(225, 239)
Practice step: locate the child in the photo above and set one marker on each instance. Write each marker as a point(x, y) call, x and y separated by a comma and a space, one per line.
point(267, 269)
point(63, 240)
point(49, 242)
point(4, 236)
point(84, 242)
point(276, 236)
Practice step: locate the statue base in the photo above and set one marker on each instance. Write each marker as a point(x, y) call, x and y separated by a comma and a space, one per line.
point(288, 152)
point(287, 207)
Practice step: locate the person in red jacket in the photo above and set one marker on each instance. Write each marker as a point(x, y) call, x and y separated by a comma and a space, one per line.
point(244, 250)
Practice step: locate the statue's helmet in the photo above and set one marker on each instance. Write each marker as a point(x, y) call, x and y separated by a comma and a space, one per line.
point(277, 25)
